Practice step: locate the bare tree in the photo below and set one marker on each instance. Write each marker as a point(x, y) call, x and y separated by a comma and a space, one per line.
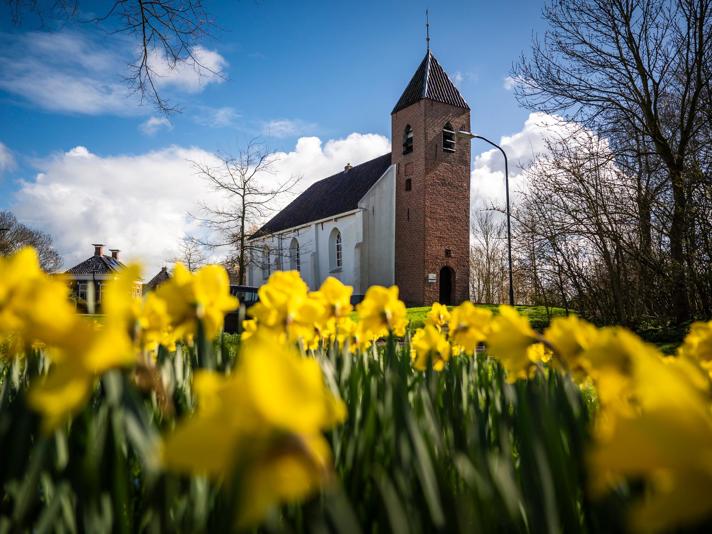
point(190, 253)
point(165, 32)
point(488, 258)
point(250, 188)
point(637, 73)
point(15, 235)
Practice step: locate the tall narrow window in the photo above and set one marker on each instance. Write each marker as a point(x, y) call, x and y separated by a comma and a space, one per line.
point(266, 266)
point(294, 262)
point(448, 138)
point(408, 184)
point(336, 258)
point(408, 140)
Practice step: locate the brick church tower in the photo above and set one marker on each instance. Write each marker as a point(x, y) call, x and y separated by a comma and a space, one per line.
point(432, 238)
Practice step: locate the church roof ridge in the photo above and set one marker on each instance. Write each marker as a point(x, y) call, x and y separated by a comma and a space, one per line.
point(338, 193)
point(430, 81)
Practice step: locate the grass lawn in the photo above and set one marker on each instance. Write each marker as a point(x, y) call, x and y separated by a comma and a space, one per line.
point(538, 316)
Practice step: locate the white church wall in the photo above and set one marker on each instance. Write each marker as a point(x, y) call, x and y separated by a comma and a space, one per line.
point(314, 257)
point(379, 231)
point(350, 228)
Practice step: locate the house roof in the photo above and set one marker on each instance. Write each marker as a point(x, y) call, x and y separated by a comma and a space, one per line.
point(157, 280)
point(431, 82)
point(97, 264)
point(333, 195)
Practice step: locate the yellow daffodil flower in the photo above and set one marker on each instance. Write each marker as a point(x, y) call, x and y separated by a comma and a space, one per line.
point(666, 440)
point(509, 339)
point(247, 425)
point(698, 345)
point(33, 305)
point(469, 326)
point(88, 351)
point(438, 316)
point(336, 297)
point(287, 308)
point(429, 348)
point(203, 295)
point(382, 312)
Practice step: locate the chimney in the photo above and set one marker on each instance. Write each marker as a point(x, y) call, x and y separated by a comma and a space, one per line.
point(98, 249)
point(115, 253)
point(347, 167)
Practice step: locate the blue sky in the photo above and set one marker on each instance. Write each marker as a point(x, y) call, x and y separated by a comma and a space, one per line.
point(291, 70)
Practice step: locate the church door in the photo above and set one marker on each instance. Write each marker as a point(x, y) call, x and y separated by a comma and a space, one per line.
point(447, 286)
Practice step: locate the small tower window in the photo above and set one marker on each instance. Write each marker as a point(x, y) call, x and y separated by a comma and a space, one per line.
point(448, 138)
point(408, 184)
point(408, 140)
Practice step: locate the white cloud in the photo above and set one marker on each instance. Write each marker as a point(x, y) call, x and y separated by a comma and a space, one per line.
point(286, 128)
point(510, 82)
point(521, 149)
point(140, 203)
point(192, 76)
point(153, 124)
point(217, 117)
point(75, 72)
point(460, 78)
point(313, 160)
point(7, 160)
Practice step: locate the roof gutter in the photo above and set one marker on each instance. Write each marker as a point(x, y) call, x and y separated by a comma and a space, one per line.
point(306, 225)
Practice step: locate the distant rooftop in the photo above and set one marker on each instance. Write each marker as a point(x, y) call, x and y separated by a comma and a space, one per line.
point(98, 263)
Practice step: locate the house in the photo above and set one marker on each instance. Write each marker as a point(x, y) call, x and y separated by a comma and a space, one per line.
point(403, 217)
point(162, 276)
point(87, 279)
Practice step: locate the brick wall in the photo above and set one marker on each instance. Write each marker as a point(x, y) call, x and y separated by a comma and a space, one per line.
point(434, 216)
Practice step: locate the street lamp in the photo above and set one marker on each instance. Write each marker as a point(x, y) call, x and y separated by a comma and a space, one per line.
point(469, 135)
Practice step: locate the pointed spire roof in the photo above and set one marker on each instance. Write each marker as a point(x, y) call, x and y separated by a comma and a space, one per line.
point(430, 81)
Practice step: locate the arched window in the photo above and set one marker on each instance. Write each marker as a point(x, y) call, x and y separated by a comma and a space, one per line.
point(266, 266)
point(294, 262)
point(336, 258)
point(408, 140)
point(448, 138)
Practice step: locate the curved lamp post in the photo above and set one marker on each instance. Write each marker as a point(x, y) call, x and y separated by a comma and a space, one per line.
point(469, 135)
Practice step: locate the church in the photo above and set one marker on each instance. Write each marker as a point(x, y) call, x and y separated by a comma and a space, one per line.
point(402, 218)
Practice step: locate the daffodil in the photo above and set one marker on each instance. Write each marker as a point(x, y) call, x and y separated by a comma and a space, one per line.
point(429, 348)
point(382, 312)
point(469, 326)
point(203, 295)
point(438, 316)
point(698, 344)
point(246, 425)
point(336, 297)
point(33, 305)
point(666, 440)
point(509, 339)
point(611, 358)
point(570, 337)
point(155, 325)
point(287, 308)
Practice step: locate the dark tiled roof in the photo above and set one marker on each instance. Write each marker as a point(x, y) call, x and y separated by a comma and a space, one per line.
point(157, 280)
point(97, 264)
point(430, 81)
point(330, 196)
